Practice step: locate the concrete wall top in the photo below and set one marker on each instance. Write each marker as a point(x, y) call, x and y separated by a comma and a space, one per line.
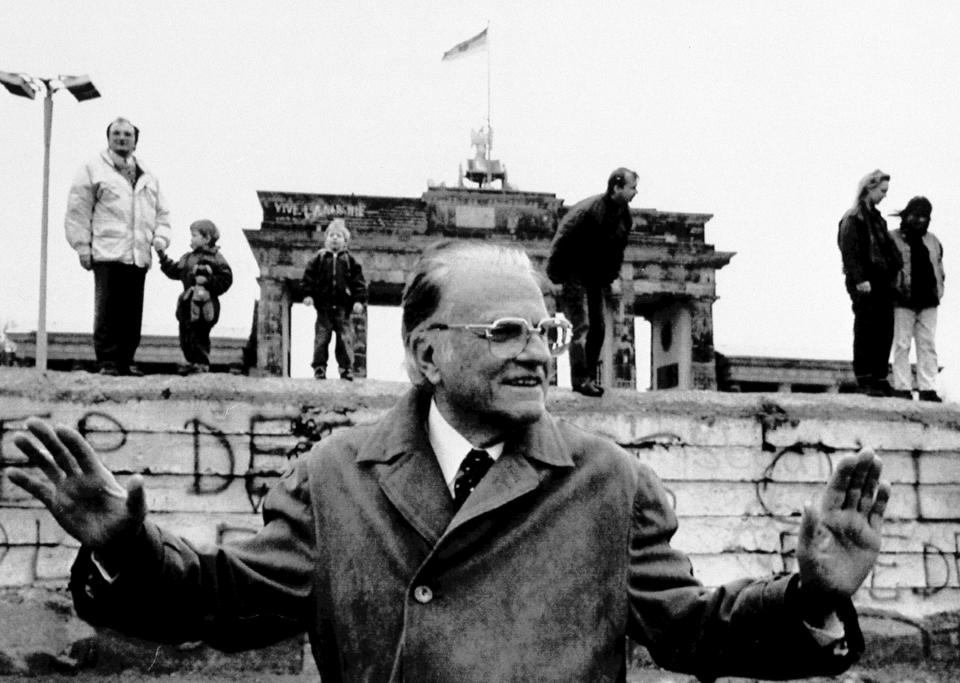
point(780, 408)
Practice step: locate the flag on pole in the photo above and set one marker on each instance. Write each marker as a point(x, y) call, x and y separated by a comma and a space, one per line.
point(466, 47)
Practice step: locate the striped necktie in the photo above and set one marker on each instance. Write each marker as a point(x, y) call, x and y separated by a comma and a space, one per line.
point(471, 471)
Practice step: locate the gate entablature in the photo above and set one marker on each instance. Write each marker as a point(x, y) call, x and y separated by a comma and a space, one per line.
point(668, 274)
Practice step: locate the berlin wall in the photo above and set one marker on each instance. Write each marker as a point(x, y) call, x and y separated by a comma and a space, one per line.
point(738, 468)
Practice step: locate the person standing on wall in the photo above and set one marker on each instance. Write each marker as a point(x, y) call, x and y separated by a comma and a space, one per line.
point(206, 276)
point(116, 214)
point(585, 258)
point(870, 265)
point(919, 289)
point(334, 284)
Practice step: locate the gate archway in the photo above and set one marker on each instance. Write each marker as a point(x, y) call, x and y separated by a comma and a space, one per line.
point(668, 275)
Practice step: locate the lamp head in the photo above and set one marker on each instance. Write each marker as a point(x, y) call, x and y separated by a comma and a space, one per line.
point(80, 87)
point(17, 85)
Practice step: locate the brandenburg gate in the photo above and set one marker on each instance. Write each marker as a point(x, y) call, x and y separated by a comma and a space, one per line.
point(668, 275)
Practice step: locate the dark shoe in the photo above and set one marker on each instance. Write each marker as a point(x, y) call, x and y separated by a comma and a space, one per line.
point(903, 393)
point(879, 389)
point(319, 374)
point(346, 375)
point(588, 388)
point(133, 371)
point(184, 370)
point(884, 387)
point(108, 368)
point(930, 395)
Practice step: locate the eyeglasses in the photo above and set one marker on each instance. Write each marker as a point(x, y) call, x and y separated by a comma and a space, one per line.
point(508, 337)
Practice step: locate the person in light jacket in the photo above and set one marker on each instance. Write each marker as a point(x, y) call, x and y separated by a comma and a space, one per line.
point(116, 215)
point(468, 535)
point(917, 293)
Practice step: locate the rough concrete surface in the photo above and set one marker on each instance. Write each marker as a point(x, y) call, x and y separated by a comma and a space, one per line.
point(902, 673)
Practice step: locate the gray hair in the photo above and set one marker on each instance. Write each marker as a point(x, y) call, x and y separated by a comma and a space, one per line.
point(431, 273)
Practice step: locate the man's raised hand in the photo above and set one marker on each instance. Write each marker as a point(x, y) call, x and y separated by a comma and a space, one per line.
point(78, 490)
point(840, 535)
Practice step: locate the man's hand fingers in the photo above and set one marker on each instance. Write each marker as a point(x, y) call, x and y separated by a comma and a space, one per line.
point(836, 491)
point(38, 457)
point(86, 458)
point(48, 437)
point(875, 518)
point(37, 488)
point(858, 476)
point(808, 525)
point(870, 484)
point(136, 498)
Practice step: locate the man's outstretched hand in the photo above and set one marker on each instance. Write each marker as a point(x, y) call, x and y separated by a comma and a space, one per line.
point(840, 535)
point(78, 490)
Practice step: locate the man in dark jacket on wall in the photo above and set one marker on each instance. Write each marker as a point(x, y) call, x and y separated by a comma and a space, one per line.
point(468, 535)
point(585, 257)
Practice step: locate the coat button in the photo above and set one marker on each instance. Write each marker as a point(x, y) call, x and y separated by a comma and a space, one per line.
point(422, 594)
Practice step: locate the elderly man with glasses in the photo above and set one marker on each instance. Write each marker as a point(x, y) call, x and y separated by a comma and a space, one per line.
point(468, 535)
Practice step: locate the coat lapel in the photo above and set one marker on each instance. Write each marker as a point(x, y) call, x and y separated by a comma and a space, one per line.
point(415, 486)
point(510, 477)
point(526, 461)
point(407, 469)
point(412, 481)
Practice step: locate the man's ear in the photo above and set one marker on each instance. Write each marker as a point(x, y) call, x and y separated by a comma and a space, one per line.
point(424, 354)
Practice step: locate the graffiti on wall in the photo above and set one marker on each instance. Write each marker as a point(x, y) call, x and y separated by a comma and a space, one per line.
point(270, 442)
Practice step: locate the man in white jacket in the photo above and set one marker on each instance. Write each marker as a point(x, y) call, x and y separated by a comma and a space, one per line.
point(115, 215)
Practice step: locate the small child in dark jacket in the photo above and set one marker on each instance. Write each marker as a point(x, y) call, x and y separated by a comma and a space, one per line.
point(205, 275)
point(334, 284)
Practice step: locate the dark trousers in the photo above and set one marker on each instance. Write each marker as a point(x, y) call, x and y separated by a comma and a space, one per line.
point(872, 337)
point(118, 312)
point(195, 341)
point(583, 305)
point(329, 320)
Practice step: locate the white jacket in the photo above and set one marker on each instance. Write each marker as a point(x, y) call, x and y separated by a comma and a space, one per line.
point(113, 221)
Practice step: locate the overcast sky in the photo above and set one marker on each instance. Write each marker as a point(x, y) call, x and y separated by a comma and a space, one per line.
point(762, 113)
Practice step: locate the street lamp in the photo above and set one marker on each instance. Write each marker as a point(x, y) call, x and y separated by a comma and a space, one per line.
point(24, 85)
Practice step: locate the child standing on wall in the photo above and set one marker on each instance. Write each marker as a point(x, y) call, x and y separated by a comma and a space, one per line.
point(205, 275)
point(334, 284)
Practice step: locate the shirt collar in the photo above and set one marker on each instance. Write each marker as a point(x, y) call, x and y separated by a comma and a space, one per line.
point(449, 445)
point(119, 161)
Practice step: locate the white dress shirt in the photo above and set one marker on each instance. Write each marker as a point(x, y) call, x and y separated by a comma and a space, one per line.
point(450, 446)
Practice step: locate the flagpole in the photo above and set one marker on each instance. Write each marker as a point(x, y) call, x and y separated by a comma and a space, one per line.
point(489, 127)
point(488, 82)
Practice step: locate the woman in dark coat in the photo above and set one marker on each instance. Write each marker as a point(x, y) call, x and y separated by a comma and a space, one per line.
point(870, 265)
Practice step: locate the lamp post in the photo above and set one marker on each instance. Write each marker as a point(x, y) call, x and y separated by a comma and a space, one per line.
point(24, 85)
